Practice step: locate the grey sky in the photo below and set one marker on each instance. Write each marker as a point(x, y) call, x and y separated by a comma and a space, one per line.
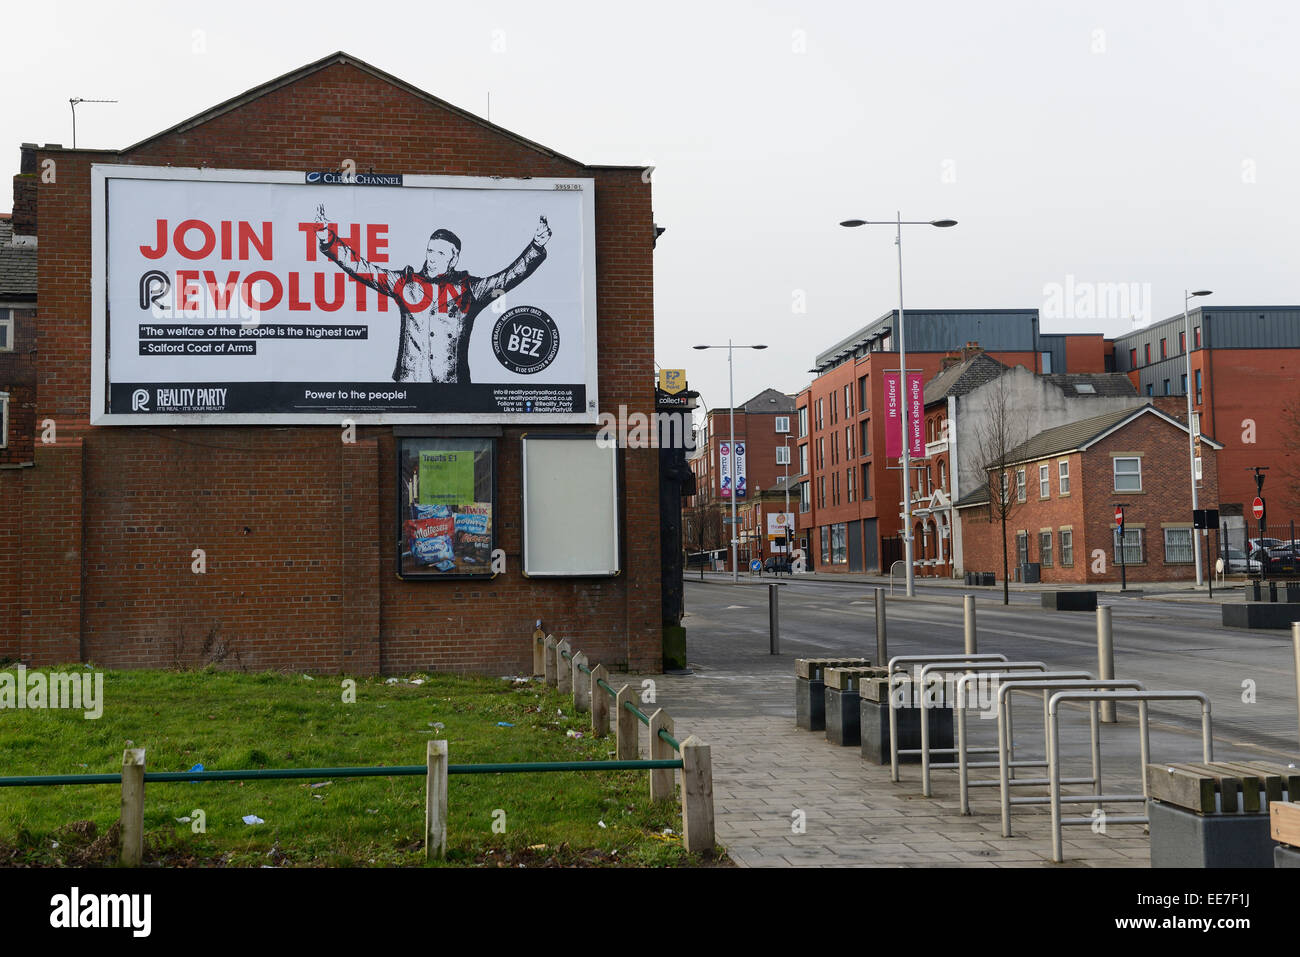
point(1152, 143)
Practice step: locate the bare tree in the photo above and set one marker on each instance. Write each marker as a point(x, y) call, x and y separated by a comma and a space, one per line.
point(701, 530)
point(1291, 449)
point(1002, 429)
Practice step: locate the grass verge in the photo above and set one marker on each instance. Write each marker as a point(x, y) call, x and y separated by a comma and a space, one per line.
point(226, 720)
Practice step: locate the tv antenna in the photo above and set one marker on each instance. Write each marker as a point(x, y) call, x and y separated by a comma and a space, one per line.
point(73, 101)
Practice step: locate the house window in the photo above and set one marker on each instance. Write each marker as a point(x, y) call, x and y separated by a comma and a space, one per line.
point(1167, 392)
point(835, 488)
point(1147, 353)
point(803, 422)
point(821, 453)
point(848, 401)
point(1021, 490)
point(1178, 546)
point(863, 442)
point(1067, 547)
point(805, 497)
point(1182, 342)
point(1151, 388)
point(834, 418)
point(821, 492)
point(862, 395)
point(783, 455)
point(1198, 386)
point(835, 447)
point(848, 442)
point(1063, 468)
point(1045, 549)
point(849, 482)
point(943, 475)
point(1183, 380)
point(866, 482)
point(1128, 474)
point(1006, 490)
point(783, 423)
point(1163, 348)
point(6, 330)
point(1022, 548)
point(821, 418)
point(1196, 337)
point(803, 460)
point(4, 420)
point(1132, 551)
point(1133, 358)
point(1044, 482)
point(825, 536)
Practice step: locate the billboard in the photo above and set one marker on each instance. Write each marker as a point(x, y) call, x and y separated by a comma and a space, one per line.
point(780, 529)
point(724, 459)
point(237, 296)
point(739, 453)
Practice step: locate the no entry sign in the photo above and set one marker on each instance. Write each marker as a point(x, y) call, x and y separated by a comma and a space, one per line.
point(1119, 515)
point(1257, 507)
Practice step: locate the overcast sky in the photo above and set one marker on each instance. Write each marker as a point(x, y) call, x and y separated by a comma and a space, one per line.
point(1153, 144)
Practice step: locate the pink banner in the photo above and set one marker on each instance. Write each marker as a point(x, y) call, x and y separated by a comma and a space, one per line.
point(916, 414)
point(893, 417)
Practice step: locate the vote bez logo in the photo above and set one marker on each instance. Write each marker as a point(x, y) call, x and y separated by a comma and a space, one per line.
point(525, 340)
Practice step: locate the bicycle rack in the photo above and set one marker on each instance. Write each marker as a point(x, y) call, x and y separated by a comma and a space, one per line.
point(944, 668)
point(1006, 779)
point(919, 660)
point(964, 764)
point(1144, 739)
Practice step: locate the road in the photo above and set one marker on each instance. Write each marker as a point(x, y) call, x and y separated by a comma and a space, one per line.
point(1168, 644)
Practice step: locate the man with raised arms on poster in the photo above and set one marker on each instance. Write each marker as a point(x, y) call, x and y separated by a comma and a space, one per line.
point(438, 303)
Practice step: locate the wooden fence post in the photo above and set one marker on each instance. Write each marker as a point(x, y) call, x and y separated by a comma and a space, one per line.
point(599, 702)
point(539, 650)
point(581, 686)
point(549, 663)
point(625, 722)
point(435, 802)
point(132, 807)
point(697, 796)
point(662, 781)
point(563, 668)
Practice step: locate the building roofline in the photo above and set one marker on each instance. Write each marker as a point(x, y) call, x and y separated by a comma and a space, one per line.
point(340, 57)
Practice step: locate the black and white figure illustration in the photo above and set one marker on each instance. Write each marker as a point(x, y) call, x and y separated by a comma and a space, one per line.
point(438, 303)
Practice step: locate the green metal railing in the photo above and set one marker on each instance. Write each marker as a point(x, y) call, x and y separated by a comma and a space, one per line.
point(399, 770)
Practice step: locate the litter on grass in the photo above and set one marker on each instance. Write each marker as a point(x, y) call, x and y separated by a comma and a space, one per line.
point(504, 724)
point(253, 819)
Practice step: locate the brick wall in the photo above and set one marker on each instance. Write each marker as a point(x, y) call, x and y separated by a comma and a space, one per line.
point(1165, 500)
point(297, 528)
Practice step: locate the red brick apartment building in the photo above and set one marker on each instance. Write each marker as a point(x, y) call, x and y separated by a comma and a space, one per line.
point(1064, 484)
point(764, 428)
point(301, 533)
point(850, 498)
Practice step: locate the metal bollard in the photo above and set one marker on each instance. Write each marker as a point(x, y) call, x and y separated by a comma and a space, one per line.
point(968, 609)
point(773, 620)
point(1105, 660)
point(1295, 642)
point(882, 652)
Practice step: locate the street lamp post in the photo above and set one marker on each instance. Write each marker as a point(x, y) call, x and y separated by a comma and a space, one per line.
point(899, 222)
point(1191, 432)
point(731, 462)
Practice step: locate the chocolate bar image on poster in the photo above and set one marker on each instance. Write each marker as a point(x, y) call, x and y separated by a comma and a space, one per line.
point(438, 303)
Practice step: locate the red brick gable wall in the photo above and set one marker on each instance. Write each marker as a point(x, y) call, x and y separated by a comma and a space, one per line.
point(296, 526)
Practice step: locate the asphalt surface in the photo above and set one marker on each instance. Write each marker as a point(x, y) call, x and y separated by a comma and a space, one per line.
point(1167, 643)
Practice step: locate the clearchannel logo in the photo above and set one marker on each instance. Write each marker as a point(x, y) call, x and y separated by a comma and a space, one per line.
point(334, 177)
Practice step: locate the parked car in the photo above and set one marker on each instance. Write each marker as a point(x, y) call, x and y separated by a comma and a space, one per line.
point(1277, 561)
point(1238, 564)
point(1255, 544)
point(777, 565)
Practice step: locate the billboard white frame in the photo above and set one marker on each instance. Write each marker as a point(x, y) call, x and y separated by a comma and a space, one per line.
point(100, 174)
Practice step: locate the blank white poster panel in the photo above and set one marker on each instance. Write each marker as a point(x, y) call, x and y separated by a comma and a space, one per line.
point(570, 493)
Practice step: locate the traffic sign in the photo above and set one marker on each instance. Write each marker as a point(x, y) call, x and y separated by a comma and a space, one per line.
point(1119, 515)
point(755, 565)
point(1257, 507)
